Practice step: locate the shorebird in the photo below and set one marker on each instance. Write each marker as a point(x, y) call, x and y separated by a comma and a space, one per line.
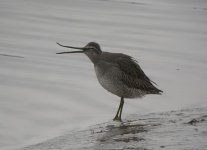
point(118, 73)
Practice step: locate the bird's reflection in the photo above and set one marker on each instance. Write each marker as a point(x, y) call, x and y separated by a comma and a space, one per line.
point(122, 136)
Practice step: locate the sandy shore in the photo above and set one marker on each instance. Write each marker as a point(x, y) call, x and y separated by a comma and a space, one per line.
point(180, 130)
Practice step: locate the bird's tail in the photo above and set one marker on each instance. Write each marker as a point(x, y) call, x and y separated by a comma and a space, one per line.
point(156, 91)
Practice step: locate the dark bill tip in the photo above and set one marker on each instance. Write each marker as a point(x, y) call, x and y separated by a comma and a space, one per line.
point(81, 48)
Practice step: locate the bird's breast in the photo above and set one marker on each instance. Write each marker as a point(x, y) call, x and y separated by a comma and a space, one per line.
point(109, 79)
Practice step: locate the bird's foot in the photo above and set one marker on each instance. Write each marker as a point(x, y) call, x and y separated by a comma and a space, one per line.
point(117, 119)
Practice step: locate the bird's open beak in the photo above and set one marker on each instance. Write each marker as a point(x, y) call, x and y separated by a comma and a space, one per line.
point(81, 48)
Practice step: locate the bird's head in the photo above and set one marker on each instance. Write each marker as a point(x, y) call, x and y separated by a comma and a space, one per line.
point(91, 48)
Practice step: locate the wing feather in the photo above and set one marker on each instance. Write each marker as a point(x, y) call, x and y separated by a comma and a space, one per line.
point(134, 77)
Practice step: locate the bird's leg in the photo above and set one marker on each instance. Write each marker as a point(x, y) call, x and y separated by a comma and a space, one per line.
point(122, 104)
point(117, 114)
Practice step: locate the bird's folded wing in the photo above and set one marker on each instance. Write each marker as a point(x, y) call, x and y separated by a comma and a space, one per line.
point(134, 77)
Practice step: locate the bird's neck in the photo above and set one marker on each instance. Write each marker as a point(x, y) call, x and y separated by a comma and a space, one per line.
point(93, 58)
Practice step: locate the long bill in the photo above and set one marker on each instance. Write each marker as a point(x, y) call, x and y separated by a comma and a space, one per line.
point(81, 48)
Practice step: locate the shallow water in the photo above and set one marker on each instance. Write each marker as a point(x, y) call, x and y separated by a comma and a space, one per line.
point(43, 95)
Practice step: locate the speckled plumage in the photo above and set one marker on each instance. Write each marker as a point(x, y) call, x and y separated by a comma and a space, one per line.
point(118, 73)
point(122, 76)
